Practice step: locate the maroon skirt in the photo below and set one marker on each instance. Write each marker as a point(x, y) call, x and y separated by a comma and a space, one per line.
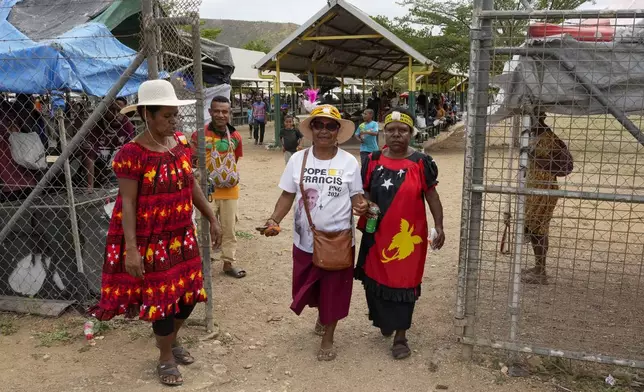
point(329, 291)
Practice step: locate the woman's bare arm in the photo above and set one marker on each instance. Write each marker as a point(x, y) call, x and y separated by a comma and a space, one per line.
point(133, 261)
point(283, 206)
point(129, 191)
point(436, 208)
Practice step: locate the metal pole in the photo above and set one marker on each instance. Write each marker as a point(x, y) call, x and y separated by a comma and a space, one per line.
point(364, 91)
point(73, 144)
point(70, 193)
point(342, 92)
point(516, 127)
point(515, 267)
point(241, 104)
point(562, 14)
point(157, 35)
point(278, 105)
point(469, 257)
point(204, 233)
point(410, 86)
point(293, 100)
point(147, 12)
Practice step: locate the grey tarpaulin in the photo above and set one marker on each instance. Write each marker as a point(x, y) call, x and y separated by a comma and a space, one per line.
point(540, 79)
point(41, 20)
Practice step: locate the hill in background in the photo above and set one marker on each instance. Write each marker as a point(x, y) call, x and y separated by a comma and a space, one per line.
point(237, 33)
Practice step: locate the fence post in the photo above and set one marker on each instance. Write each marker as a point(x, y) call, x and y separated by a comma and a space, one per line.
point(147, 12)
point(469, 259)
point(70, 193)
point(515, 267)
point(204, 233)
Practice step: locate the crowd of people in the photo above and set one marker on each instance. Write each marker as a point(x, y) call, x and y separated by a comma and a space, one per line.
point(30, 132)
point(437, 107)
point(153, 269)
point(152, 265)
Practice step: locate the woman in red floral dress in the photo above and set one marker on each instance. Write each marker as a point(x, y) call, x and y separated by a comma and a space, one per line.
point(152, 264)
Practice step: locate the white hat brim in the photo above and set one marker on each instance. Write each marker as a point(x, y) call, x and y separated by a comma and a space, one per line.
point(347, 128)
point(161, 102)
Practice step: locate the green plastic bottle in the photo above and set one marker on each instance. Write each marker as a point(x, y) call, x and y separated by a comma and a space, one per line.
point(372, 219)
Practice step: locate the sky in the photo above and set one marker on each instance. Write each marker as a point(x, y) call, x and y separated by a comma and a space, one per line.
point(293, 11)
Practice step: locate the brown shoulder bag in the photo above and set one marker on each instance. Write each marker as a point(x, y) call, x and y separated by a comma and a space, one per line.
point(332, 250)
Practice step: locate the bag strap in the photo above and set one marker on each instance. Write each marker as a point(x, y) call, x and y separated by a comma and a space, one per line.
point(306, 205)
point(230, 141)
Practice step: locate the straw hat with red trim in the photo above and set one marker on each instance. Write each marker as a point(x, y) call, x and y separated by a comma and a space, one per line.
point(347, 128)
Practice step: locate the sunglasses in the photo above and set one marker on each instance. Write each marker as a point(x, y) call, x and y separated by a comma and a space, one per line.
point(329, 126)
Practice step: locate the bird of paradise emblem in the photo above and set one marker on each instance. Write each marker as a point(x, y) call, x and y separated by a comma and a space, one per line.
point(402, 245)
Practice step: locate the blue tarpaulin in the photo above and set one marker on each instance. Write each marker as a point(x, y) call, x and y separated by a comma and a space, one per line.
point(87, 58)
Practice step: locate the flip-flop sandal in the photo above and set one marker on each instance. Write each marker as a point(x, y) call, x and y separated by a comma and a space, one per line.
point(400, 349)
point(167, 370)
point(235, 272)
point(530, 277)
point(319, 329)
point(182, 356)
point(327, 354)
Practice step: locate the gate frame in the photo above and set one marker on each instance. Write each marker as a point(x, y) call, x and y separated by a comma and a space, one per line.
point(481, 38)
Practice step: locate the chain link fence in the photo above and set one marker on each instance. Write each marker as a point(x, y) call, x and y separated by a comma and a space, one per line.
point(551, 253)
point(63, 80)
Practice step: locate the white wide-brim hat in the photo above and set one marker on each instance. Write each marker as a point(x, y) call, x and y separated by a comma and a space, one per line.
point(157, 93)
point(347, 128)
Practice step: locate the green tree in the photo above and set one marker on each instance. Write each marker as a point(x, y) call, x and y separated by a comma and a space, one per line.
point(258, 45)
point(450, 22)
point(210, 34)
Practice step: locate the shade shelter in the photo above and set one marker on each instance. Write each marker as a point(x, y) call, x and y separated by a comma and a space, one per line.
point(342, 41)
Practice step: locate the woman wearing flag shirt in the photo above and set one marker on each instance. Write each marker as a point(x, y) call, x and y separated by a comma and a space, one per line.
point(399, 180)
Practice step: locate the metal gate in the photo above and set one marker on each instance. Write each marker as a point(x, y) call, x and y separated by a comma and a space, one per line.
point(585, 78)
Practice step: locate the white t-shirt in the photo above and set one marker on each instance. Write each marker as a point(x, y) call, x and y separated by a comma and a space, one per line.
point(329, 186)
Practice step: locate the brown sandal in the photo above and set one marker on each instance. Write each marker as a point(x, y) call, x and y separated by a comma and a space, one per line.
point(400, 349)
point(182, 356)
point(531, 276)
point(167, 370)
point(327, 354)
point(319, 329)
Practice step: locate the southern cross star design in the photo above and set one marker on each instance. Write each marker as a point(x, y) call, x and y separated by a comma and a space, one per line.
point(380, 168)
point(401, 172)
point(387, 183)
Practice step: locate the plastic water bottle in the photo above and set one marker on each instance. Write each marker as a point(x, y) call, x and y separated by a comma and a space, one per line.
point(433, 234)
point(372, 220)
point(88, 330)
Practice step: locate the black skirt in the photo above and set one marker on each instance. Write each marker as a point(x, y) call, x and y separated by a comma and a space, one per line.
point(389, 316)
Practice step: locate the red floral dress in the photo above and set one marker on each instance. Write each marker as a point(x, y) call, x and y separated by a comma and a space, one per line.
point(165, 236)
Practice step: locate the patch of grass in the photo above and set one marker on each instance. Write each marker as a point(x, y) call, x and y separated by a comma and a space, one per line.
point(100, 327)
point(7, 327)
point(243, 234)
point(136, 334)
point(59, 336)
point(189, 341)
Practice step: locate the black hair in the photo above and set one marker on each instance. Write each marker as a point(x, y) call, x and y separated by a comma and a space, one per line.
point(122, 99)
point(220, 99)
point(289, 116)
point(153, 109)
point(403, 111)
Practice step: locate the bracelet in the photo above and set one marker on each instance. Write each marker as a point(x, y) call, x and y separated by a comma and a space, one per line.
point(274, 220)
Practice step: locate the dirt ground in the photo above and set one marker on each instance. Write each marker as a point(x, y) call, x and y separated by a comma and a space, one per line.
point(263, 346)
